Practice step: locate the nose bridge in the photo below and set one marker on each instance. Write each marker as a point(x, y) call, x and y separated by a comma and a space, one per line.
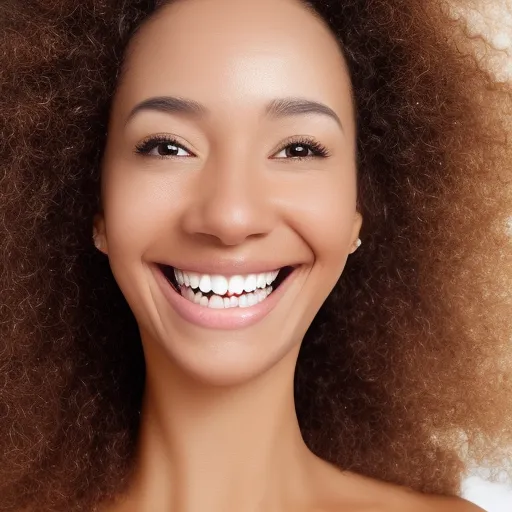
point(233, 204)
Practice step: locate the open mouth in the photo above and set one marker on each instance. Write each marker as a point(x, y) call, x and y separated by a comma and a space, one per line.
point(222, 292)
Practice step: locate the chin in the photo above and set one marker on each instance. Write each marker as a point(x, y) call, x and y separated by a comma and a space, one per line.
point(221, 361)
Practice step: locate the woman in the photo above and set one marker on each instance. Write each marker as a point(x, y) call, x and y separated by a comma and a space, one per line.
point(274, 176)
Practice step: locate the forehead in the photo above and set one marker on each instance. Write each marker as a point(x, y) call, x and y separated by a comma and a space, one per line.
point(235, 53)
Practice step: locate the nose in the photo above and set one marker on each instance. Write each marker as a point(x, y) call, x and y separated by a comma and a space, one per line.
point(231, 203)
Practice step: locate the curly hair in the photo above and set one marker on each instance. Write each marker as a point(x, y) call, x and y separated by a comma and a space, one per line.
point(405, 373)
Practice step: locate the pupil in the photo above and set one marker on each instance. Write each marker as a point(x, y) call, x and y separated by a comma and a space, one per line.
point(167, 149)
point(297, 150)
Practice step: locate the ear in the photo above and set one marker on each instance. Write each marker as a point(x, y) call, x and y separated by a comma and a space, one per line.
point(99, 235)
point(356, 228)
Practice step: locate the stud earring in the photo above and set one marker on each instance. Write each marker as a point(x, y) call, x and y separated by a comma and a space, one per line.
point(357, 244)
point(96, 241)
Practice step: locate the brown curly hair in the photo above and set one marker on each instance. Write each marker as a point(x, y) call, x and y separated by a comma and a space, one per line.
point(405, 374)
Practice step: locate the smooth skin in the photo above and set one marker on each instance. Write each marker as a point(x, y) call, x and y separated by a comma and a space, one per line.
point(219, 432)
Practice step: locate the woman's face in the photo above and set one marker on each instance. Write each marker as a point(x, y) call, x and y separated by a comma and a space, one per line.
point(230, 158)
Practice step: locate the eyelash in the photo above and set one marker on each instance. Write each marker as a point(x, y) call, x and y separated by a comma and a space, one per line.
point(149, 143)
point(317, 149)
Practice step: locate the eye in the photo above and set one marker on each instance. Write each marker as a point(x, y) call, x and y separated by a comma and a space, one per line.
point(162, 147)
point(300, 149)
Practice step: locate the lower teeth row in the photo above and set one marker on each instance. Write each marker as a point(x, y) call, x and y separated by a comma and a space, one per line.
point(217, 302)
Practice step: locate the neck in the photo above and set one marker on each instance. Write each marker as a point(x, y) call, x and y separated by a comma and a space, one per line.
point(219, 448)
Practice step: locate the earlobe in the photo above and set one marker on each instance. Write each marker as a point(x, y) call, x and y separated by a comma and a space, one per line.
point(98, 233)
point(356, 241)
point(355, 246)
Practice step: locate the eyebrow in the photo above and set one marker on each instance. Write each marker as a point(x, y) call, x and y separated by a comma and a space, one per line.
point(284, 107)
point(277, 108)
point(170, 105)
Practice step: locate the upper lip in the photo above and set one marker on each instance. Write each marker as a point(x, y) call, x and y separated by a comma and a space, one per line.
point(228, 268)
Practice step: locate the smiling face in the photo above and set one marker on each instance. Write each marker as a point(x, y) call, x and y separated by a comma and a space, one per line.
point(229, 182)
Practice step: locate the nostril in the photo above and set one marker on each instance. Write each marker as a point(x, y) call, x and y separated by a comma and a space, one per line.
point(229, 221)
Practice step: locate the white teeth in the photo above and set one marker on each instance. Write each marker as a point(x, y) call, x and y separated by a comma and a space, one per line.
point(250, 283)
point(236, 285)
point(242, 301)
point(216, 302)
point(219, 285)
point(261, 281)
point(205, 283)
point(179, 276)
point(194, 280)
point(190, 295)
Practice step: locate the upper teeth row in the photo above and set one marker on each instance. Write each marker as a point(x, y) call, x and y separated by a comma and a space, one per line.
point(221, 285)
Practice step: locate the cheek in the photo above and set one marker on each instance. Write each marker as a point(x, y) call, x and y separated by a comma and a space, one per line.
point(138, 210)
point(325, 217)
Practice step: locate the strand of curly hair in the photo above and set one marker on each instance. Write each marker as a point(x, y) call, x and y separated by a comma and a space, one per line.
point(405, 374)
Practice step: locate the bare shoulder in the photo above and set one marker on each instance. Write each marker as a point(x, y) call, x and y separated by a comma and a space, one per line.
point(395, 498)
point(432, 503)
point(358, 493)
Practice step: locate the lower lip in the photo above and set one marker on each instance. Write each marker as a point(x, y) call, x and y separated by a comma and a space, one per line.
point(227, 319)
